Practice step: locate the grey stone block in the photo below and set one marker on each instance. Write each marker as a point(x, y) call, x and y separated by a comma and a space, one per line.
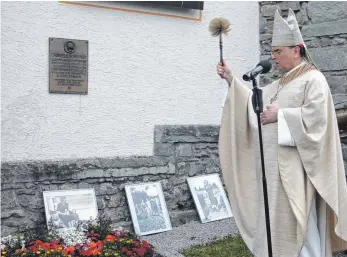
point(190, 168)
point(94, 173)
point(127, 225)
point(212, 165)
point(162, 149)
point(106, 189)
point(338, 41)
point(184, 150)
point(327, 11)
point(177, 180)
point(340, 101)
point(331, 58)
point(325, 29)
point(269, 10)
point(68, 186)
point(295, 6)
point(205, 150)
point(266, 48)
point(182, 217)
point(8, 200)
point(116, 200)
point(326, 41)
point(134, 162)
point(302, 16)
point(265, 37)
point(83, 185)
point(26, 192)
point(11, 186)
point(49, 187)
point(100, 202)
point(264, 57)
point(189, 134)
point(263, 25)
point(338, 84)
point(270, 26)
point(344, 151)
point(313, 43)
point(14, 213)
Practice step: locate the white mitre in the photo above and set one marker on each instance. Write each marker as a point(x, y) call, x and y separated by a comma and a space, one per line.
point(287, 33)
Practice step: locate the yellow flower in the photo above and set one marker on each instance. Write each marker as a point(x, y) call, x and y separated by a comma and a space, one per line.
point(38, 252)
point(106, 254)
point(115, 254)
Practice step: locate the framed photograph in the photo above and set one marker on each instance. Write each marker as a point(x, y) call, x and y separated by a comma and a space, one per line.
point(66, 207)
point(148, 208)
point(210, 198)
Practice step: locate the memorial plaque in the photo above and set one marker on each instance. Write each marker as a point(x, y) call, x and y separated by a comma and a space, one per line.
point(68, 66)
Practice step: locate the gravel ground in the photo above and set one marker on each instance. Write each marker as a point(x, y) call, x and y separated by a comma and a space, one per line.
point(171, 243)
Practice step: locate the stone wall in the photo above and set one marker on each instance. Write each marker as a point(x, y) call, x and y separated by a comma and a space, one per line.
point(324, 29)
point(179, 152)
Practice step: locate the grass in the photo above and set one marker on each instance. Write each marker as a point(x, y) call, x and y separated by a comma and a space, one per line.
point(228, 247)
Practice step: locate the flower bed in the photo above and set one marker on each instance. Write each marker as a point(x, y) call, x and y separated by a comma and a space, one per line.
point(92, 238)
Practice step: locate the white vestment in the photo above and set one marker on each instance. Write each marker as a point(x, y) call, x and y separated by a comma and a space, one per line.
point(314, 245)
point(297, 176)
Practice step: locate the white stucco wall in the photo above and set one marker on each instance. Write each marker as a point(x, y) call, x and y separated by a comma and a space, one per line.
point(143, 70)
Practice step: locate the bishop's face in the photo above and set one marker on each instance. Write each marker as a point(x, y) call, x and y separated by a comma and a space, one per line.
point(285, 57)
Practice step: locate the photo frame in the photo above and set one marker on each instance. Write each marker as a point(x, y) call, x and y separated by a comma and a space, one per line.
point(148, 208)
point(64, 208)
point(209, 197)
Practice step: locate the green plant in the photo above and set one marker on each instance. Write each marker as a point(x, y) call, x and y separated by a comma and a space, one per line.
point(228, 247)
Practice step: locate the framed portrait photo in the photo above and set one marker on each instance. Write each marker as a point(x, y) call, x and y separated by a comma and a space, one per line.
point(209, 198)
point(64, 208)
point(148, 208)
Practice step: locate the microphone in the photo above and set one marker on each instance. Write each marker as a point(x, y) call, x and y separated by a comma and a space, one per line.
point(262, 67)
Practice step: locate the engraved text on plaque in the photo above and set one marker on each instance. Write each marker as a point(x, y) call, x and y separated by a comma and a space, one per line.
point(68, 66)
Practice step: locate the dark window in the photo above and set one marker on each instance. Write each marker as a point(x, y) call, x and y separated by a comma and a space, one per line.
point(181, 4)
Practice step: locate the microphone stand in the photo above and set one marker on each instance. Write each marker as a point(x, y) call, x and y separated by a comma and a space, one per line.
point(257, 101)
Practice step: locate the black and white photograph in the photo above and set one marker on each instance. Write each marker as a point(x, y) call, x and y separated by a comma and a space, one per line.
point(210, 198)
point(148, 208)
point(64, 208)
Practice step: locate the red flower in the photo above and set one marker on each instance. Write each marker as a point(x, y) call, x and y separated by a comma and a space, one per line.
point(69, 250)
point(145, 244)
point(56, 246)
point(95, 252)
point(110, 238)
point(142, 251)
point(99, 243)
point(92, 245)
point(39, 242)
point(33, 248)
point(46, 246)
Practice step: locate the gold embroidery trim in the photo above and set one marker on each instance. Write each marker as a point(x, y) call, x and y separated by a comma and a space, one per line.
point(293, 75)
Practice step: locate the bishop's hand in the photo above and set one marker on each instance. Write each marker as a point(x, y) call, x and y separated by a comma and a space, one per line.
point(269, 115)
point(224, 71)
